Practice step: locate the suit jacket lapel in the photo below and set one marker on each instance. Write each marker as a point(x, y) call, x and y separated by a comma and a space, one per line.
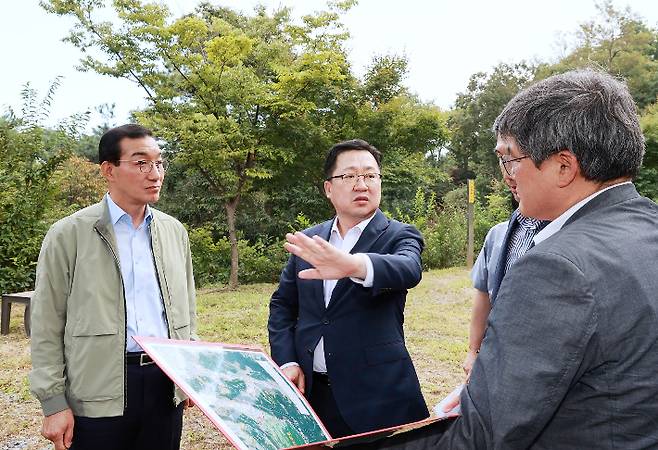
point(502, 259)
point(318, 285)
point(375, 228)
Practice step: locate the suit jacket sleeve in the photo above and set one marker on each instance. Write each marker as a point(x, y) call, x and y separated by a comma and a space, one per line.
point(541, 337)
point(401, 268)
point(284, 307)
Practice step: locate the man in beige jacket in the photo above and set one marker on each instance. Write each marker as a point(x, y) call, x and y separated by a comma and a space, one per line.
point(114, 270)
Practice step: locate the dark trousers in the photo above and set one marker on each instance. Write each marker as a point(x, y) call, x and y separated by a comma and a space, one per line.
point(323, 402)
point(150, 421)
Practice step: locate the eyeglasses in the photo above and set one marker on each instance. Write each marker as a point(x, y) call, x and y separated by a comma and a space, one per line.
point(510, 165)
point(369, 179)
point(146, 166)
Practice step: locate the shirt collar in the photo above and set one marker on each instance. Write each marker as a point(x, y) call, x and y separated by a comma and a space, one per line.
point(116, 213)
point(361, 225)
point(558, 223)
point(528, 223)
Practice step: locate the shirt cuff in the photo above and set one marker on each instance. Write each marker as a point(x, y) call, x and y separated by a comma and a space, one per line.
point(370, 271)
point(289, 364)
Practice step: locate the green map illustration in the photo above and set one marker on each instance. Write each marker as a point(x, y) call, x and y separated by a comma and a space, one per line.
point(241, 391)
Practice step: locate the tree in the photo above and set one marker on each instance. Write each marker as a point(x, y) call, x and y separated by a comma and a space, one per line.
point(29, 156)
point(227, 91)
point(647, 181)
point(620, 43)
point(383, 79)
point(472, 141)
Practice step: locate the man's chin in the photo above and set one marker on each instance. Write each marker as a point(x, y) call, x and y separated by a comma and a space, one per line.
point(153, 198)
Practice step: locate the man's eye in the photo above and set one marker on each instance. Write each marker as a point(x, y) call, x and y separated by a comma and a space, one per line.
point(371, 176)
point(141, 163)
point(349, 176)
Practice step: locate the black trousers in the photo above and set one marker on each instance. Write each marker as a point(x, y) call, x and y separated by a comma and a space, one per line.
point(323, 402)
point(150, 421)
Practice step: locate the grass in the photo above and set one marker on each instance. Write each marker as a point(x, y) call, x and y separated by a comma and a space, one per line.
point(436, 327)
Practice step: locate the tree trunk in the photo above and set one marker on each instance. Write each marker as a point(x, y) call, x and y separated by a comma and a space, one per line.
point(231, 207)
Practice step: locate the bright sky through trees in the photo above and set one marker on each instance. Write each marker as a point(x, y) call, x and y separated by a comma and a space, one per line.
point(445, 42)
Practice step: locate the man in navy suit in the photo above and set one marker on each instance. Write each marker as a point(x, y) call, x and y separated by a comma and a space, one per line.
point(335, 322)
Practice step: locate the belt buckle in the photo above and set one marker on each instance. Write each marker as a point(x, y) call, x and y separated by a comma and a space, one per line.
point(142, 357)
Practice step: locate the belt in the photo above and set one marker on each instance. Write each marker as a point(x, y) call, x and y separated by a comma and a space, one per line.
point(138, 358)
point(321, 378)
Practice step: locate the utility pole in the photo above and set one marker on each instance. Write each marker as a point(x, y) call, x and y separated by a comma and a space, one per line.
point(470, 219)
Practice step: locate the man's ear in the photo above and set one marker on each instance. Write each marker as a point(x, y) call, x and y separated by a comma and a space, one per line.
point(327, 189)
point(568, 169)
point(107, 170)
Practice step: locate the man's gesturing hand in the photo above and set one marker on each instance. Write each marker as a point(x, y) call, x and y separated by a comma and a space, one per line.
point(329, 262)
point(58, 428)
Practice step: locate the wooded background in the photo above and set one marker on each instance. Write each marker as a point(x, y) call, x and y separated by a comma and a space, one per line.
point(246, 107)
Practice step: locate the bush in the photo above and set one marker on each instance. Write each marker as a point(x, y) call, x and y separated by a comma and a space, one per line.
point(260, 262)
point(445, 228)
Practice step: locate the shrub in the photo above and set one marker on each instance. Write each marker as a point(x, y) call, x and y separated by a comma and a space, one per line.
point(259, 262)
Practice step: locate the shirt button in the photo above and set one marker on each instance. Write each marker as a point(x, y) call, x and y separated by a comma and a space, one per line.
point(325, 321)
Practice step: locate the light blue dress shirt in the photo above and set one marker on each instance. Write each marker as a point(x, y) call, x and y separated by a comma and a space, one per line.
point(144, 310)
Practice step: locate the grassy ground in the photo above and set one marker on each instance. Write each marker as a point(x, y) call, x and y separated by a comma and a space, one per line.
point(436, 329)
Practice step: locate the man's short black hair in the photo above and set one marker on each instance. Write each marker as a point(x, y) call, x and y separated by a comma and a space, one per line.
point(346, 146)
point(109, 148)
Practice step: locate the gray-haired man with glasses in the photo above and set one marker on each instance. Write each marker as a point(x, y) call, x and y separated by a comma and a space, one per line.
point(109, 272)
point(335, 322)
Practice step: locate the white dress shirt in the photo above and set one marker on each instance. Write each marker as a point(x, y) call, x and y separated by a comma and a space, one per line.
point(345, 244)
point(144, 310)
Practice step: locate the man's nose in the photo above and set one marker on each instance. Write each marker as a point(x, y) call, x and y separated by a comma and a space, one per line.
point(361, 183)
point(154, 174)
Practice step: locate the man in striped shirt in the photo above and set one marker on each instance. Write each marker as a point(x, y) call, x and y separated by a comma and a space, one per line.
point(504, 244)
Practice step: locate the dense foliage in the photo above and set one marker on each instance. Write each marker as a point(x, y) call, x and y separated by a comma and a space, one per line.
point(248, 104)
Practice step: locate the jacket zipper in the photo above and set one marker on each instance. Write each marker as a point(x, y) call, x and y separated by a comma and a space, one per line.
point(125, 319)
point(164, 307)
point(157, 276)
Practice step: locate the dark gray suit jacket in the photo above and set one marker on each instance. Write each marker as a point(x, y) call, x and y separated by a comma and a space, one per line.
point(570, 359)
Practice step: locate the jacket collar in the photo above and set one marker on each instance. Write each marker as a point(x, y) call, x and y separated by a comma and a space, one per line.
point(104, 223)
point(615, 194)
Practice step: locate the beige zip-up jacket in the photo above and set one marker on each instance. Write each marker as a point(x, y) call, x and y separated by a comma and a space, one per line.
point(79, 313)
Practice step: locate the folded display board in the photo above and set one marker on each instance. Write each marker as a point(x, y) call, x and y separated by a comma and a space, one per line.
point(245, 395)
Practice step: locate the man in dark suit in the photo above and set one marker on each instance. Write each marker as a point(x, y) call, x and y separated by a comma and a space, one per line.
point(335, 322)
point(570, 355)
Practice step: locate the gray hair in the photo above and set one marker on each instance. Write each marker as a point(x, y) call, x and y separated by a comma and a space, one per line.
point(587, 112)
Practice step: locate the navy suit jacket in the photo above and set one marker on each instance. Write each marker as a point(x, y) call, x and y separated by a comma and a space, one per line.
point(372, 377)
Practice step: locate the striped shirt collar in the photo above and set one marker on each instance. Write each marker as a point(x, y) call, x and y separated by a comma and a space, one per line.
point(528, 223)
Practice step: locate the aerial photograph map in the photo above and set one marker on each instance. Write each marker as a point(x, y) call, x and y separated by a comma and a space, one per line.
point(240, 391)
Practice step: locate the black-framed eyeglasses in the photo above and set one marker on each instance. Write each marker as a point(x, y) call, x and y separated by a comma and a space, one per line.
point(146, 166)
point(509, 164)
point(370, 179)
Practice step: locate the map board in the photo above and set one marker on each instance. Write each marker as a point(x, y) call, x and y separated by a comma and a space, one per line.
point(242, 392)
